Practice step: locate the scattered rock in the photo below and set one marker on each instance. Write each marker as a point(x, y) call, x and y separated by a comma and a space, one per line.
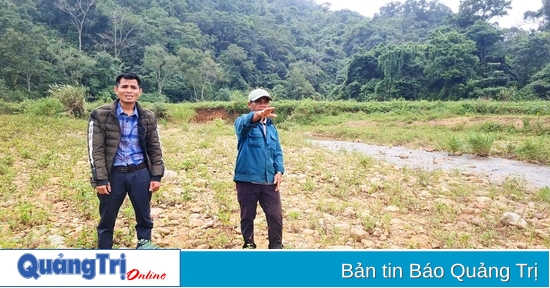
point(56, 240)
point(170, 175)
point(392, 208)
point(200, 183)
point(155, 213)
point(444, 189)
point(359, 234)
point(542, 234)
point(521, 245)
point(367, 243)
point(175, 216)
point(308, 232)
point(398, 223)
point(163, 230)
point(208, 224)
point(424, 194)
point(339, 247)
point(509, 218)
point(174, 222)
point(196, 209)
point(468, 211)
point(342, 226)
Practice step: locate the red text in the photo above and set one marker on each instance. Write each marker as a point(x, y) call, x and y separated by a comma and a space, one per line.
point(135, 274)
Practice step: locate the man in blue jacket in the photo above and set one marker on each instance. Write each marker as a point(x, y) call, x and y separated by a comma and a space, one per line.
point(259, 169)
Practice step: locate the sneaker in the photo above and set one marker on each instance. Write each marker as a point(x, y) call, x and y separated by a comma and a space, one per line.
point(146, 244)
point(249, 246)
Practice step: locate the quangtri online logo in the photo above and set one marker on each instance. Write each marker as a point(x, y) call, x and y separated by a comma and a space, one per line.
point(92, 267)
point(31, 267)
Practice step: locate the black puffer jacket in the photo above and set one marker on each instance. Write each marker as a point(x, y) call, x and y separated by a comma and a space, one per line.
point(104, 137)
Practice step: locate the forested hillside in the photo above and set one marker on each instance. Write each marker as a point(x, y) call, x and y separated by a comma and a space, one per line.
point(198, 50)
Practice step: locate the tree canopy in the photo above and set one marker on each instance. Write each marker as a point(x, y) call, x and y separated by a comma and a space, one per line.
point(191, 50)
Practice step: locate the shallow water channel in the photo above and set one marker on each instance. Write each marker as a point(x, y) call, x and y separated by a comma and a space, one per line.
point(496, 168)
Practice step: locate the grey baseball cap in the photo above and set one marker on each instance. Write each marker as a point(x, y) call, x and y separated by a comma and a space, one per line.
point(257, 94)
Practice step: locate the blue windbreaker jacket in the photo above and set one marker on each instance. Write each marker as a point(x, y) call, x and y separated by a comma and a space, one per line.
point(259, 157)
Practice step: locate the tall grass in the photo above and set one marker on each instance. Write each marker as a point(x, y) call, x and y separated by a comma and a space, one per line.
point(454, 145)
point(180, 114)
point(417, 124)
point(533, 150)
point(480, 144)
point(72, 98)
point(46, 192)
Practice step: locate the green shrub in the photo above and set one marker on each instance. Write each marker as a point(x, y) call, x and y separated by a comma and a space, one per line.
point(533, 150)
point(72, 98)
point(4, 91)
point(491, 126)
point(544, 194)
point(160, 109)
point(454, 145)
point(10, 107)
point(480, 144)
point(44, 107)
point(180, 114)
point(153, 98)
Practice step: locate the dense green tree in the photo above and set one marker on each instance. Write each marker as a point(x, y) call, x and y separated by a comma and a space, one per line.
point(529, 53)
point(71, 65)
point(79, 12)
point(296, 86)
point(159, 65)
point(451, 62)
point(24, 58)
point(363, 69)
point(539, 86)
point(202, 73)
point(471, 11)
point(99, 80)
point(232, 61)
point(542, 15)
point(403, 72)
point(192, 50)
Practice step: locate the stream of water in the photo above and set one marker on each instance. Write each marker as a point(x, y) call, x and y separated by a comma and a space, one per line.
point(496, 168)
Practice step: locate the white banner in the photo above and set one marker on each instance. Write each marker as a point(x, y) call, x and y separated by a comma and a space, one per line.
point(92, 268)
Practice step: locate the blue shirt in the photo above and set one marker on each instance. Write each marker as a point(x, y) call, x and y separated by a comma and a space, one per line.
point(259, 155)
point(129, 150)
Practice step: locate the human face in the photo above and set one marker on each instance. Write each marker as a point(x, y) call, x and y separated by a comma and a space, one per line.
point(128, 91)
point(259, 104)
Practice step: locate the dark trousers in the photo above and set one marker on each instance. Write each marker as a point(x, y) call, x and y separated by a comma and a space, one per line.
point(248, 195)
point(136, 184)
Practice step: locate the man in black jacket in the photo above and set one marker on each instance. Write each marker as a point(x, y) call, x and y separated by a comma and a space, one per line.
point(125, 156)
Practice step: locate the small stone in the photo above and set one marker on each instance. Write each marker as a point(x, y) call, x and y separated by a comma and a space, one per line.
point(509, 218)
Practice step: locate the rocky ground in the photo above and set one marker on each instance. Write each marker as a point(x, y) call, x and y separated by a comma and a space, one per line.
point(331, 200)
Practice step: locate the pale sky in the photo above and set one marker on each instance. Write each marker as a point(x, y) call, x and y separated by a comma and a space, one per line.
point(370, 7)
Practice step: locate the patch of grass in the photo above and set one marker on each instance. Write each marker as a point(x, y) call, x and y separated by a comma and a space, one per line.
point(426, 178)
point(339, 190)
point(544, 194)
point(6, 162)
point(514, 186)
point(71, 97)
point(366, 161)
point(84, 239)
point(178, 113)
point(480, 144)
point(454, 145)
point(294, 215)
point(533, 150)
point(368, 222)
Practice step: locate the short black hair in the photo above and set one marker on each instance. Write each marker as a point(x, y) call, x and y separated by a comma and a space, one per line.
point(127, 76)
